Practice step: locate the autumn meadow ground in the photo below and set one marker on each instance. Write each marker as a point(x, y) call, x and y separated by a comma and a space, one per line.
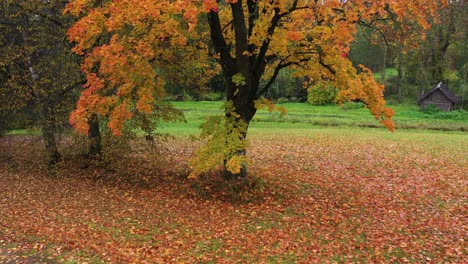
point(316, 195)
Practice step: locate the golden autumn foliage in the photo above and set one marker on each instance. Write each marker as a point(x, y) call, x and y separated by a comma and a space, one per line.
point(129, 56)
point(134, 47)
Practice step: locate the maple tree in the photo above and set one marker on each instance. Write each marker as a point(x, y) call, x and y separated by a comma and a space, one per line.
point(128, 59)
point(131, 42)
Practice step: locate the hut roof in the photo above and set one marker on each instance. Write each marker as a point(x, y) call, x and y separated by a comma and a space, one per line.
point(444, 89)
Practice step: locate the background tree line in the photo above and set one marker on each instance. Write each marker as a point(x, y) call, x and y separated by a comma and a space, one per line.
point(440, 56)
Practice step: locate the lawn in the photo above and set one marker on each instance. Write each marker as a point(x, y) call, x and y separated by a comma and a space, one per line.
point(303, 115)
point(316, 194)
point(389, 73)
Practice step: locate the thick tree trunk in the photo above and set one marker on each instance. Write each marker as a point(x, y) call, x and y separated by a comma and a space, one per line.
point(53, 154)
point(227, 175)
point(243, 94)
point(244, 106)
point(94, 138)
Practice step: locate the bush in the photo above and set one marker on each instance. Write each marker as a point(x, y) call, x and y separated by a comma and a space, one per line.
point(6, 123)
point(211, 96)
point(282, 100)
point(295, 99)
point(352, 105)
point(430, 109)
point(321, 94)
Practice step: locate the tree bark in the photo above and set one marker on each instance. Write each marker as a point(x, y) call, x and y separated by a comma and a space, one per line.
point(400, 76)
point(244, 108)
point(94, 138)
point(48, 134)
point(243, 95)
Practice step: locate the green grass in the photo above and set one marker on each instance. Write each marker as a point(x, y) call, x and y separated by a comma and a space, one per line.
point(389, 72)
point(306, 116)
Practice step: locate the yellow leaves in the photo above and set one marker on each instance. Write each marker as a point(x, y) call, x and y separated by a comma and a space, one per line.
point(238, 79)
point(235, 164)
point(226, 142)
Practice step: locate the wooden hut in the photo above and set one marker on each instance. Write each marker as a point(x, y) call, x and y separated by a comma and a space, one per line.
point(439, 96)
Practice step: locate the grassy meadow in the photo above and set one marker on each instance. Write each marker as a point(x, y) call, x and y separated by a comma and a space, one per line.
point(326, 185)
point(303, 116)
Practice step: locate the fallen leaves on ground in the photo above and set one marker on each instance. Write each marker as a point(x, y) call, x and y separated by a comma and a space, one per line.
point(311, 199)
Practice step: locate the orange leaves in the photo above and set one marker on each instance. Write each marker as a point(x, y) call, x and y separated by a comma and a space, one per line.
point(145, 41)
point(210, 5)
point(293, 36)
point(87, 30)
point(145, 100)
point(119, 115)
point(93, 84)
point(79, 121)
point(77, 7)
point(131, 47)
point(191, 15)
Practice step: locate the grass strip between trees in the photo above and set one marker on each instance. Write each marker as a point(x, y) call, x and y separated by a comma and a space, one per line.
point(303, 115)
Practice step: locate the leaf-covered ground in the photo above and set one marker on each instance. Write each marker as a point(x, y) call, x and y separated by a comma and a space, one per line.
point(317, 196)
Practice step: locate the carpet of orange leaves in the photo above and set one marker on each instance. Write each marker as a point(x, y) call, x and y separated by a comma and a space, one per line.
point(319, 198)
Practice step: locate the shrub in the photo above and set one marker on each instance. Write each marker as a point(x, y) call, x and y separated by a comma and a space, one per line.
point(321, 94)
point(295, 99)
point(352, 105)
point(211, 96)
point(282, 100)
point(430, 109)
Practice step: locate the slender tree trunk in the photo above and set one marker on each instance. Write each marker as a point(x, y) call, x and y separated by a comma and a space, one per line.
point(94, 138)
point(384, 65)
point(400, 75)
point(147, 128)
point(48, 135)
